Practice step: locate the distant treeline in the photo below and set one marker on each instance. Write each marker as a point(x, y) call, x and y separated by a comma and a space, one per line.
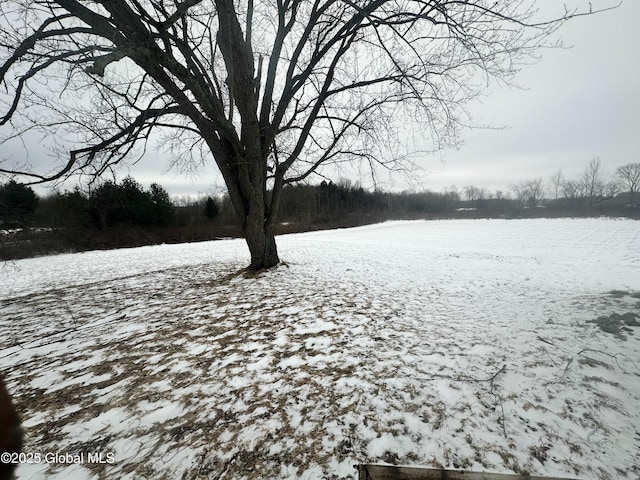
point(125, 214)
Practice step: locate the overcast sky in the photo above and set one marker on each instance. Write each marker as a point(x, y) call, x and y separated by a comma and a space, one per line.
point(579, 103)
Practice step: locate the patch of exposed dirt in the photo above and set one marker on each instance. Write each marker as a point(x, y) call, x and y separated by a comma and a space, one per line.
point(617, 324)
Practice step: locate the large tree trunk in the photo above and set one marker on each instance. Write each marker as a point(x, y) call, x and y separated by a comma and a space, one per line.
point(245, 178)
point(260, 237)
point(257, 220)
point(262, 245)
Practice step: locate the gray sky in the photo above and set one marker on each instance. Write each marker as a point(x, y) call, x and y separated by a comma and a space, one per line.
point(579, 103)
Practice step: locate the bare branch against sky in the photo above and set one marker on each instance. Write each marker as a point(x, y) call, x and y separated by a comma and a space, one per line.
point(579, 104)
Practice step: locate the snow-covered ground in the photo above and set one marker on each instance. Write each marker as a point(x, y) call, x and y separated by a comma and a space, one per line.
point(490, 345)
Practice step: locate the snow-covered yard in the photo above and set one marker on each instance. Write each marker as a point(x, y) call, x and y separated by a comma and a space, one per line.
point(491, 345)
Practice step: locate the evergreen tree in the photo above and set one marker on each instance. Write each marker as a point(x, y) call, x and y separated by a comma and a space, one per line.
point(16, 202)
point(211, 209)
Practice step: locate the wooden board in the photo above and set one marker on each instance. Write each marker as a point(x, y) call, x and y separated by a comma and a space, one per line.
point(369, 471)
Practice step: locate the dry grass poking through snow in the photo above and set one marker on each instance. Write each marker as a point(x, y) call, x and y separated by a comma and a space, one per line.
point(357, 350)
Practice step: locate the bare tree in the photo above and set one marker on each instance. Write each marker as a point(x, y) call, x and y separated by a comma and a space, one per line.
point(556, 182)
point(529, 193)
point(452, 196)
point(593, 181)
point(521, 192)
point(272, 91)
point(470, 193)
point(476, 196)
point(572, 189)
point(535, 191)
point(611, 189)
point(629, 176)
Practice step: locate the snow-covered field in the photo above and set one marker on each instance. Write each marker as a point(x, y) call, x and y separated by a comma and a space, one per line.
point(490, 345)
